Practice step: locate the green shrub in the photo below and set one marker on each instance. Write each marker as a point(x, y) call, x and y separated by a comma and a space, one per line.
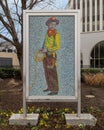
point(92, 70)
point(10, 73)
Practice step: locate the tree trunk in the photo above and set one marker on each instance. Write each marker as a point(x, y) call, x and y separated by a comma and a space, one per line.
point(20, 58)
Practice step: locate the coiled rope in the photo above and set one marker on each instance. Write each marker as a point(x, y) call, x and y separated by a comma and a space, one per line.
point(38, 57)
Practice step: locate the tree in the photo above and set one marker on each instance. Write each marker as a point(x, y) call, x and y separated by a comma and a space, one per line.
point(11, 21)
point(11, 18)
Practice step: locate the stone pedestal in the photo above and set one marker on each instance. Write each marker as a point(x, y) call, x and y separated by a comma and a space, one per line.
point(85, 119)
point(18, 119)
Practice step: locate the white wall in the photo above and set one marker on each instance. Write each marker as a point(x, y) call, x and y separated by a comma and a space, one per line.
point(88, 41)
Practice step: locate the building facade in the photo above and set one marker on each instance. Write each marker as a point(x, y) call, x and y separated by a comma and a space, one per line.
point(8, 55)
point(92, 31)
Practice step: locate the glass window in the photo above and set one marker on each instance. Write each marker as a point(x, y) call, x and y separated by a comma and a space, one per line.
point(97, 56)
point(102, 50)
point(3, 50)
point(10, 50)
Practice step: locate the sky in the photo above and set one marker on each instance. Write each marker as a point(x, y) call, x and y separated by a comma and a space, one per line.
point(52, 4)
point(46, 5)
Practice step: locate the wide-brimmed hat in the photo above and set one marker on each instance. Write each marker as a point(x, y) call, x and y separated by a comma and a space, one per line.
point(52, 19)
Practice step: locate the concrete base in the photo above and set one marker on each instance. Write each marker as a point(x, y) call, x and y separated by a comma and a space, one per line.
point(86, 119)
point(18, 119)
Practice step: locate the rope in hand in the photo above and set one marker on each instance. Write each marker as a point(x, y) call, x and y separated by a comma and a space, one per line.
point(37, 58)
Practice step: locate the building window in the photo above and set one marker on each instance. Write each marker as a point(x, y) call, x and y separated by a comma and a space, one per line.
point(10, 50)
point(3, 50)
point(5, 62)
point(97, 56)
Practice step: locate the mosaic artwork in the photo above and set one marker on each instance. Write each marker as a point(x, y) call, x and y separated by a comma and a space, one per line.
point(51, 55)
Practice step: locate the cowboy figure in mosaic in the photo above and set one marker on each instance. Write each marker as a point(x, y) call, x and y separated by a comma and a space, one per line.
point(50, 46)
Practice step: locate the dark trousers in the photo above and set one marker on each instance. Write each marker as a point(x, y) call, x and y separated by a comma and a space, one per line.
point(50, 70)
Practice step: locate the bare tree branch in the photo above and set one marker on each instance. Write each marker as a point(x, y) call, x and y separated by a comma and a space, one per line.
point(2, 29)
point(2, 14)
point(6, 25)
point(5, 38)
point(23, 2)
point(17, 13)
point(33, 2)
point(11, 22)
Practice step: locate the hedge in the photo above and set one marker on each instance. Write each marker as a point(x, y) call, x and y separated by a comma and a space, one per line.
point(10, 73)
point(16, 73)
point(92, 70)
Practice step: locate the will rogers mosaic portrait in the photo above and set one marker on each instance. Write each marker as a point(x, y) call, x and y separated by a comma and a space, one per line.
point(51, 55)
point(50, 46)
